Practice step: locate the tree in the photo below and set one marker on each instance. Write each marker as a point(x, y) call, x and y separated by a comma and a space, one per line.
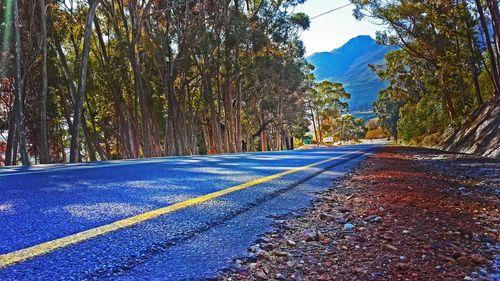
point(80, 92)
point(437, 76)
point(127, 79)
point(327, 101)
point(44, 146)
point(19, 89)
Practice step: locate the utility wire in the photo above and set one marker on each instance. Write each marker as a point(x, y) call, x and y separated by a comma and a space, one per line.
point(332, 10)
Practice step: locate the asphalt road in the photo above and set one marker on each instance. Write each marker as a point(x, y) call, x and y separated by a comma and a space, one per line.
point(177, 218)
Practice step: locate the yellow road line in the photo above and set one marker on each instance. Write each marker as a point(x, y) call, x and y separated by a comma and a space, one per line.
point(47, 247)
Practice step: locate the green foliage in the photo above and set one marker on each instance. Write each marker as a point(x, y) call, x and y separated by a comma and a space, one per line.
point(327, 103)
point(437, 78)
point(423, 118)
point(168, 77)
point(301, 20)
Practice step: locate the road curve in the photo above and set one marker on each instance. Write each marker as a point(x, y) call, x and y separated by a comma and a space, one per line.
point(176, 218)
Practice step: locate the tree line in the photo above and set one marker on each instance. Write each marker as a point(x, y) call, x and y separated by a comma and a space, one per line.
point(112, 79)
point(447, 66)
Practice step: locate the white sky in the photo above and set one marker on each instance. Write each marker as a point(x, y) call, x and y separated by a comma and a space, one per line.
point(334, 29)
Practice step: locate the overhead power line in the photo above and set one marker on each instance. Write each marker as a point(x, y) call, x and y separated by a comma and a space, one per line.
point(332, 10)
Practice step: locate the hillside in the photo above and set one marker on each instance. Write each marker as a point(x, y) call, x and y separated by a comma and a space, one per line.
point(349, 65)
point(480, 134)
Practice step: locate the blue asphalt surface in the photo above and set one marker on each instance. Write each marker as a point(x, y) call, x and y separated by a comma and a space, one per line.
point(45, 203)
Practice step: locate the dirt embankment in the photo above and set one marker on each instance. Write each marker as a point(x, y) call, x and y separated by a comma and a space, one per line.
point(480, 134)
point(406, 214)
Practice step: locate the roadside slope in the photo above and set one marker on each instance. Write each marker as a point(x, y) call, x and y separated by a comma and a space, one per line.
point(480, 135)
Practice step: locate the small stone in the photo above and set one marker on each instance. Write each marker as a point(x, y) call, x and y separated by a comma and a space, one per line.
point(320, 236)
point(387, 237)
point(348, 226)
point(291, 242)
point(477, 259)
point(260, 274)
point(390, 247)
point(458, 254)
point(279, 276)
point(268, 247)
point(341, 220)
point(450, 260)
point(254, 248)
point(326, 217)
point(310, 234)
point(373, 218)
point(262, 254)
point(463, 260)
point(279, 253)
point(324, 277)
point(402, 266)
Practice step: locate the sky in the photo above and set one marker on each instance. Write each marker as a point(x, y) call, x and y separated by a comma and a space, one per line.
point(334, 29)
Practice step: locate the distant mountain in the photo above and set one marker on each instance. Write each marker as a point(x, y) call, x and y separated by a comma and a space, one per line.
point(349, 66)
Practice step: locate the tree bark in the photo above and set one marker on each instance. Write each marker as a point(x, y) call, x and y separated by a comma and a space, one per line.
point(124, 138)
point(495, 18)
point(314, 125)
point(11, 138)
point(19, 88)
point(238, 137)
point(492, 53)
point(263, 134)
point(80, 94)
point(228, 113)
point(44, 146)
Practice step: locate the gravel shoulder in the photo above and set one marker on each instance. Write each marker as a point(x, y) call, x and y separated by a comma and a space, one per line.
point(405, 214)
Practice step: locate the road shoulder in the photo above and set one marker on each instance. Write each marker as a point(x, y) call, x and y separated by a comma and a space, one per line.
point(406, 213)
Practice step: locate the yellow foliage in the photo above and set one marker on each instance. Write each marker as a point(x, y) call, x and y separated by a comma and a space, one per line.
point(377, 133)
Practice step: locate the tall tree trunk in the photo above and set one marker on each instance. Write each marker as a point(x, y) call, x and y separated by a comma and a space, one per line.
point(93, 136)
point(11, 149)
point(238, 137)
point(124, 139)
point(238, 133)
point(88, 140)
point(143, 103)
point(495, 18)
point(448, 101)
point(175, 138)
point(314, 126)
point(474, 68)
point(19, 88)
point(492, 54)
point(228, 113)
point(263, 134)
point(44, 145)
point(69, 98)
point(320, 140)
point(80, 94)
